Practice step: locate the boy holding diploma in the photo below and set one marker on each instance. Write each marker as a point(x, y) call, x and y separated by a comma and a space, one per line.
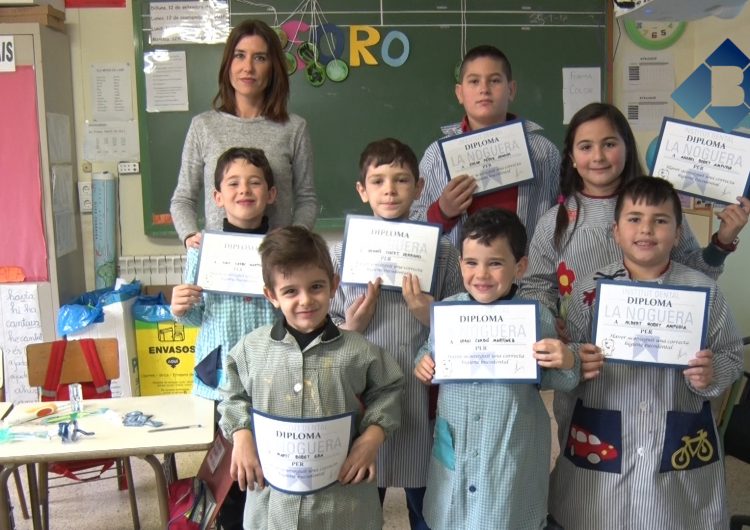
point(490, 457)
point(243, 186)
point(304, 368)
point(397, 321)
point(642, 450)
point(486, 89)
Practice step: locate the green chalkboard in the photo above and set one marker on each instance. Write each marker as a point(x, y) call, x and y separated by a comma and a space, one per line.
point(409, 102)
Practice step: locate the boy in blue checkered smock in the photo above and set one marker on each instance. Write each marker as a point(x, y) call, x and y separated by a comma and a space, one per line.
point(490, 458)
point(244, 187)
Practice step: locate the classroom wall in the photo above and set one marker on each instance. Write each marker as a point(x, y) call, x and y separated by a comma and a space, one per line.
point(106, 35)
point(700, 39)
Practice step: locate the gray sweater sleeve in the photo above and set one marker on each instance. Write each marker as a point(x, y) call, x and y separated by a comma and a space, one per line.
point(186, 197)
point(303, 183)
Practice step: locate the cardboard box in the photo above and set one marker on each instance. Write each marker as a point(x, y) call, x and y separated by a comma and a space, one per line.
point(166, 357)
point(118, 323)
point(46, 15)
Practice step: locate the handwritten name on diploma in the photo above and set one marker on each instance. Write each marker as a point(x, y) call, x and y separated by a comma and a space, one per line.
point(653, 312)
point(704, 150)
point(397, 243)
point(304, 445)
point(476, 153)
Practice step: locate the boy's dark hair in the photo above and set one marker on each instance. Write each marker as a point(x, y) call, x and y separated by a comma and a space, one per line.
point(486, 50)
point(388, 151)
point(570, 180)
point(292, 247)
point(651, 190)
point(488, 224)
point(250, 155)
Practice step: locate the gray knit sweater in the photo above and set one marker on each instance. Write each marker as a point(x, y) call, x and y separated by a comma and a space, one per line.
point(289, 151)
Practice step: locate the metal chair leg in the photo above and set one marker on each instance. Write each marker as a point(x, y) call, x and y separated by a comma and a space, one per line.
point(21, 496)
point(131, 493)
point(44, 493)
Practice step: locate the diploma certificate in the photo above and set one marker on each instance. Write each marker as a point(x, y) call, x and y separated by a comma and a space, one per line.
point(376, 248)
point(497, 157)
point(302, 456)
point(475, 342)
point(229, 263)
point(703, 161)
point(659, 324)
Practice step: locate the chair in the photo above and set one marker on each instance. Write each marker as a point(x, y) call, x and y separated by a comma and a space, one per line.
point(75, 369)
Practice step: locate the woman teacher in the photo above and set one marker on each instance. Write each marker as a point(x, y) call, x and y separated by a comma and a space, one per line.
point(250, 110)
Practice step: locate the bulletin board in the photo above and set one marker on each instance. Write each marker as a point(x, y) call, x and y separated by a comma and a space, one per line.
point(409, 102)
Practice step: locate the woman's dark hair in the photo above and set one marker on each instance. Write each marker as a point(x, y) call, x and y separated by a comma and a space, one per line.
point(570, 180)
point(277, 91)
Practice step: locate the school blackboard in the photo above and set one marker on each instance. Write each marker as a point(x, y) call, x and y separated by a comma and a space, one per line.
point(409, 102)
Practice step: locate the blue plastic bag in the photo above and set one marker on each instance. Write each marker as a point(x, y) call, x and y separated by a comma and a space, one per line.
point(88, 308)
point(152, 308)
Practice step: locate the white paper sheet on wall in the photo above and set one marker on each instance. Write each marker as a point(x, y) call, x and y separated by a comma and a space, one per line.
point(111, 92)
point(63, 208)
point(581, 86)
point(166, 81)
point(648, 86)
point(58, 138)
point(111, 141)
point(22, 325)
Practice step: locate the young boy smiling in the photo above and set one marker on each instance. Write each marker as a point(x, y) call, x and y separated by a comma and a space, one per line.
point(486, 89)
point(396, 321)
point(244, 187)
point(646, 412)
point(490, 459)
point(303, 366)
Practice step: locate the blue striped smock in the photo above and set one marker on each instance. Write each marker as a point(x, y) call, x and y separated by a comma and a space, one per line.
point(534, 197)
point(654, 484)
point(403, 459)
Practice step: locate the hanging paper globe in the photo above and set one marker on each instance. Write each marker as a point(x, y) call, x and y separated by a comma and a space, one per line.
point(283, 37)
point(308, 52)
point(337, 70)
point(315, 74)
point(291, 63)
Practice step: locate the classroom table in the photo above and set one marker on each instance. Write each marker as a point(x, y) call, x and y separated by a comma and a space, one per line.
point(112, 440)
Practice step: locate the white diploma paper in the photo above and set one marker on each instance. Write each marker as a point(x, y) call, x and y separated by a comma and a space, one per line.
point(703, 161)
point(635, 322)
point(229, 263)
point(376, 248)
point(476, 342)
point(302, 456)
point(497, 157)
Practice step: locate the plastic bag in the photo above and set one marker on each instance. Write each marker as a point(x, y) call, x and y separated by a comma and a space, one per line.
point(89, 307)
point(152, 308)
